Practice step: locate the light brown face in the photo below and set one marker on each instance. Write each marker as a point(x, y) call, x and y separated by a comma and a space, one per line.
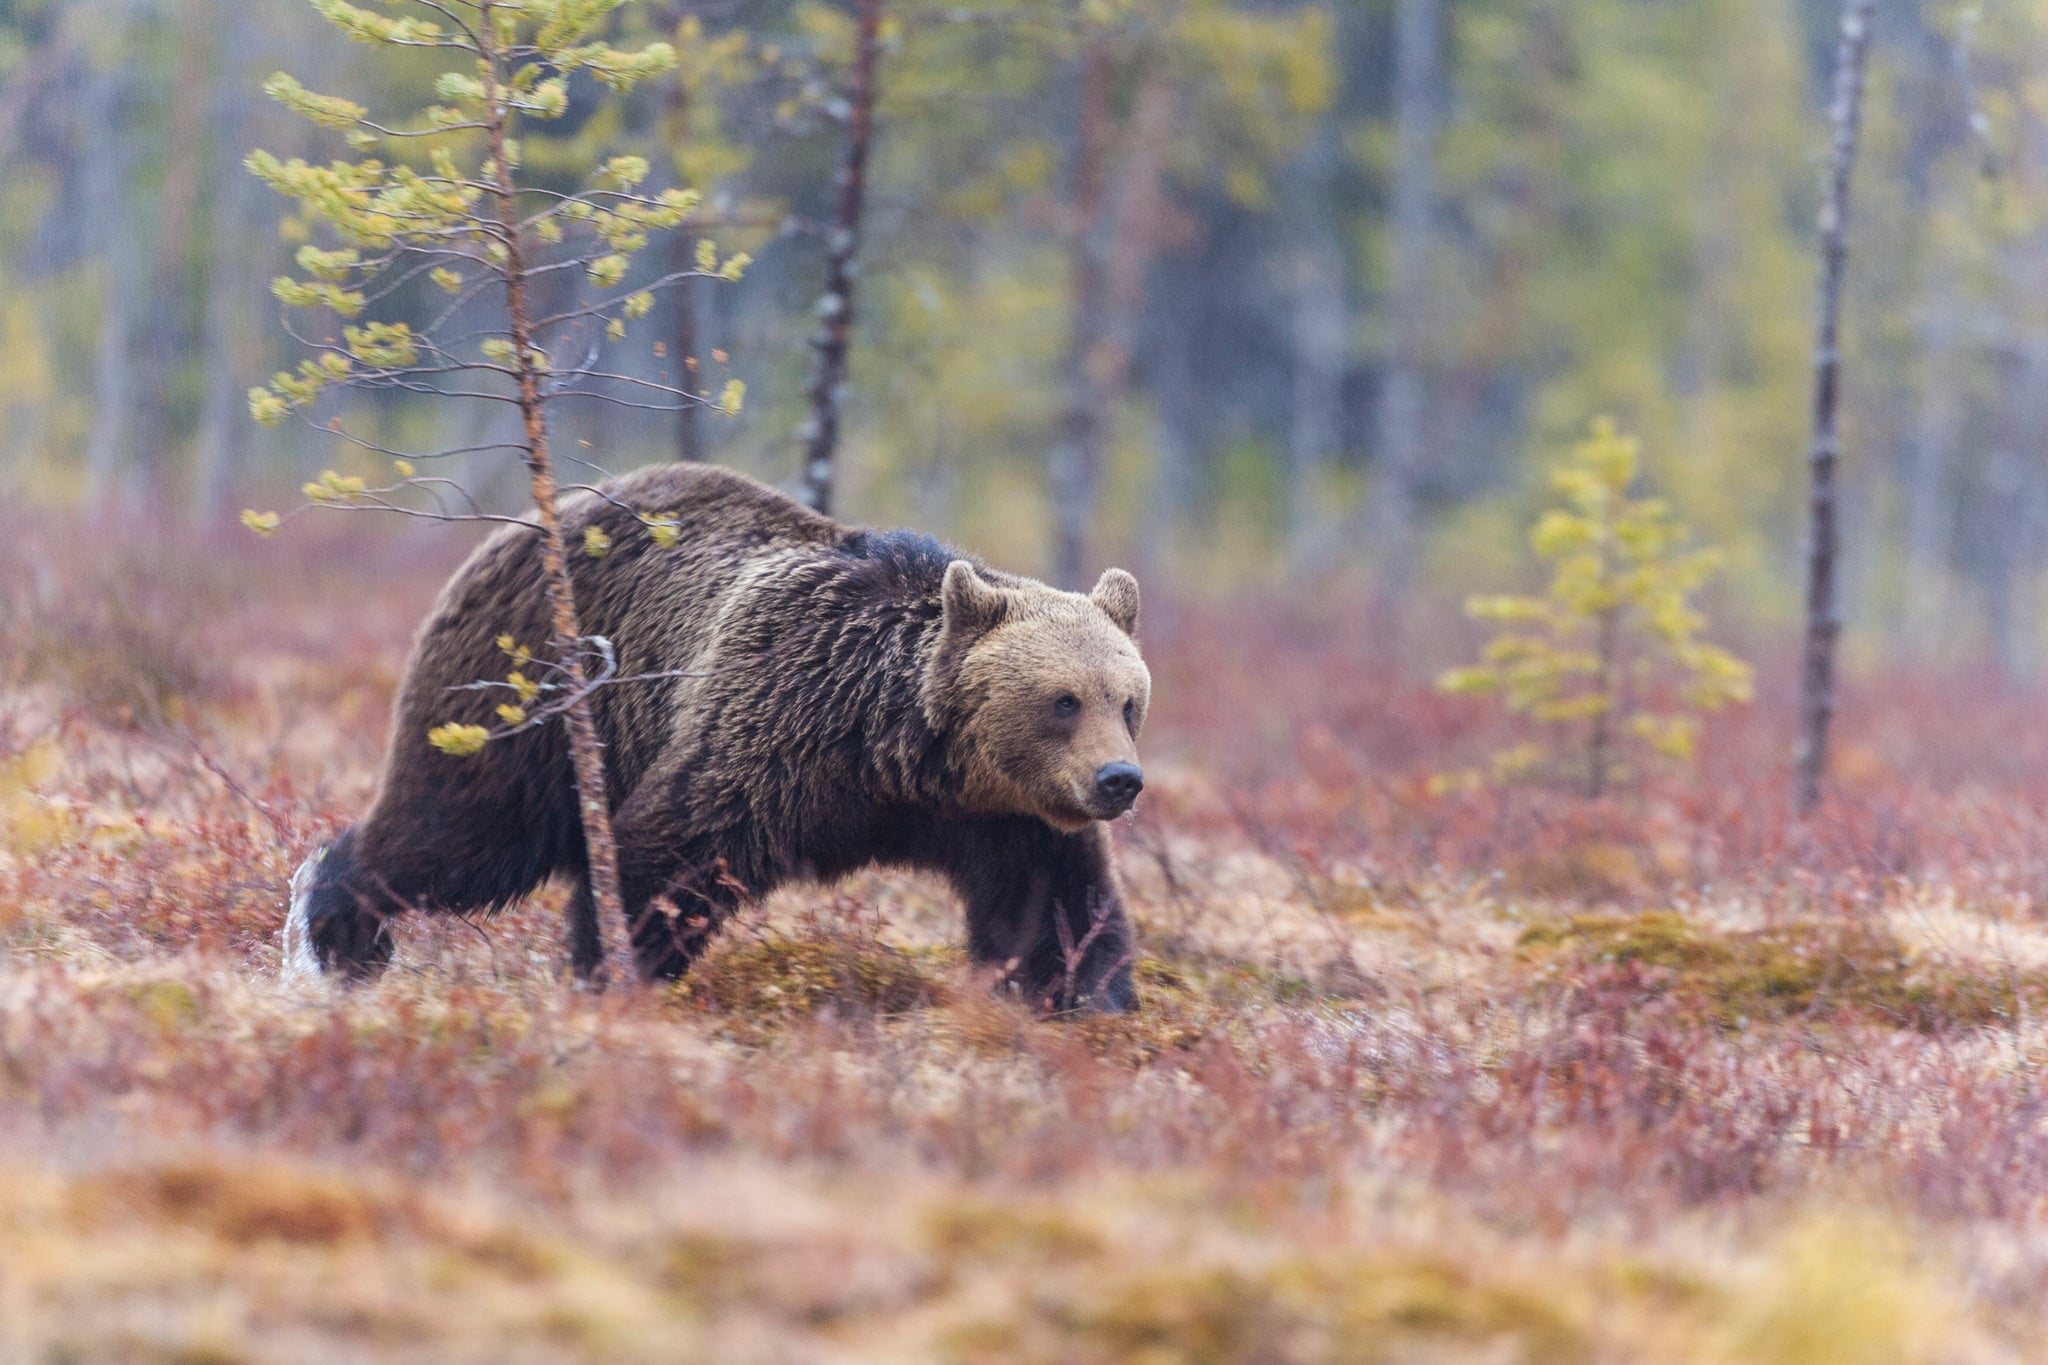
point(1052, 693)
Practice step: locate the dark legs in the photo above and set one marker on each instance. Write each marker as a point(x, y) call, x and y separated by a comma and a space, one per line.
point(1047, 902)
point(668, 929)
point(677, 892)
point(1042, 904)
point(586, 944)
point(671, 914)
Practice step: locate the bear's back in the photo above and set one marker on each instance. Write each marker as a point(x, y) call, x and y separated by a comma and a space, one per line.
point(710, 502)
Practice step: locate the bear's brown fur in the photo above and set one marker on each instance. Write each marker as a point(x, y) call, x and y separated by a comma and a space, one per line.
point(825, 698)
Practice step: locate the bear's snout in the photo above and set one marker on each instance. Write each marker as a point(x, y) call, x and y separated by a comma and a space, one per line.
point(1118, 785)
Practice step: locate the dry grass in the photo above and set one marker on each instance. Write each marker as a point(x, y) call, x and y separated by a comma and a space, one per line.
point(1492, 1077)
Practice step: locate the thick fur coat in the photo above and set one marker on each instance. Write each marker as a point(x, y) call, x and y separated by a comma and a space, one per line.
point(795, 699)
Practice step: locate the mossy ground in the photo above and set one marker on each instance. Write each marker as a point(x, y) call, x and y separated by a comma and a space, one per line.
point(1840, 970)
point(753, 985)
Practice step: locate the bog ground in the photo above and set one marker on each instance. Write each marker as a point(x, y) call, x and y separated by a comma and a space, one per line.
point(1474, 1076)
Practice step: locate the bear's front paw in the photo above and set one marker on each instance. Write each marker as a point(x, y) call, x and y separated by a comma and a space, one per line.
point(1110, 992)
point(1117, 995)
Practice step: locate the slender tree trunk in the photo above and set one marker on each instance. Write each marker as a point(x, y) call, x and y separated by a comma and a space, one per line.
point(585, 930)
point(2005, 517)
point(1929, 492)
point(29, 83)
point(167, 321)
point(1403, 396)
point(1170, 499)
point(1599, 744)
point(1823, 624)
point(223, 414)
point(1606, 649)
point(1321, 352)
point(835, 306)
point(1077, 454)
point(106, 194)
point(689, 436)
point(2013, 471)
point(2012, 482)
point(1934, 69)
point(1136, 210)
point(1114, 238)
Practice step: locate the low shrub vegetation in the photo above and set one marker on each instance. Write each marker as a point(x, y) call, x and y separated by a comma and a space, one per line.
point(1480, 1074)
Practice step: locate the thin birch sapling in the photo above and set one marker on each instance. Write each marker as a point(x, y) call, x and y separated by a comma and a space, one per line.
point(834, 337)
point(1823, 621)
point(443, 207)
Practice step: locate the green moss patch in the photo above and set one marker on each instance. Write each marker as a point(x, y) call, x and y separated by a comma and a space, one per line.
point(1816, 969)
point(754, 986)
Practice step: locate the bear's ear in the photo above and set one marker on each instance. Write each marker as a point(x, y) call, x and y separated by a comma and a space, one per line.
point(973, 606)
point(1116, 592)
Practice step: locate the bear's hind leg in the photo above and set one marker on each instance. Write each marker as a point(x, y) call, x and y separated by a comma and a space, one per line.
point(586, 940)
point(671, 921)
point(673, 910)
point(676, 885)
point(339, 921)
point(659, 953)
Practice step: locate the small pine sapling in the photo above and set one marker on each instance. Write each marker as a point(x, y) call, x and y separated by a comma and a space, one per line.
point(1612, 649)
point(435, 220)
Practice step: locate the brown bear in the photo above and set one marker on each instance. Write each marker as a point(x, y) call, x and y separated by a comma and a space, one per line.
point(795, 699)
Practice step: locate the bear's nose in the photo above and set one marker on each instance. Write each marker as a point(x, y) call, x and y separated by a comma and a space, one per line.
point(1119, 783)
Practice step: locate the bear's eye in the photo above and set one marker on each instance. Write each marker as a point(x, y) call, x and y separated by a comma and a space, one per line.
point(1067, 705)
point(1131, 714)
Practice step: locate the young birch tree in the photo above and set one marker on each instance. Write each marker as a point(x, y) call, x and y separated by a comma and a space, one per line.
point(835, 307)
point(1403, 401)
point(1823, 625)
point(445, 208)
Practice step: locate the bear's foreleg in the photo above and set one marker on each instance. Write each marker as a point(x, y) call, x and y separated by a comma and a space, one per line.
point(1048, 903)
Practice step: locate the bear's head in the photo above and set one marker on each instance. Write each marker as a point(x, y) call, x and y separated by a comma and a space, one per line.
point(1043, 694)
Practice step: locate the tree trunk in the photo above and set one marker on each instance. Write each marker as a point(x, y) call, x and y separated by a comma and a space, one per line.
point(835, 306)
point(106, 192)
point(1403, 396)
point(2005, 517)
point(1110, 249)
point(689, 438)
point(166, 330)
point(230, 307)
point(1600, 735)
point(2012, 482)
point(1823, 625)
point(1077, 453)
point(1929, 492)
point(587, 917)
point(1321, 326)
point(1170, 498)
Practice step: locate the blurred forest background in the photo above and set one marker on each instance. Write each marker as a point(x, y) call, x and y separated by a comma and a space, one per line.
point(1329, 284)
